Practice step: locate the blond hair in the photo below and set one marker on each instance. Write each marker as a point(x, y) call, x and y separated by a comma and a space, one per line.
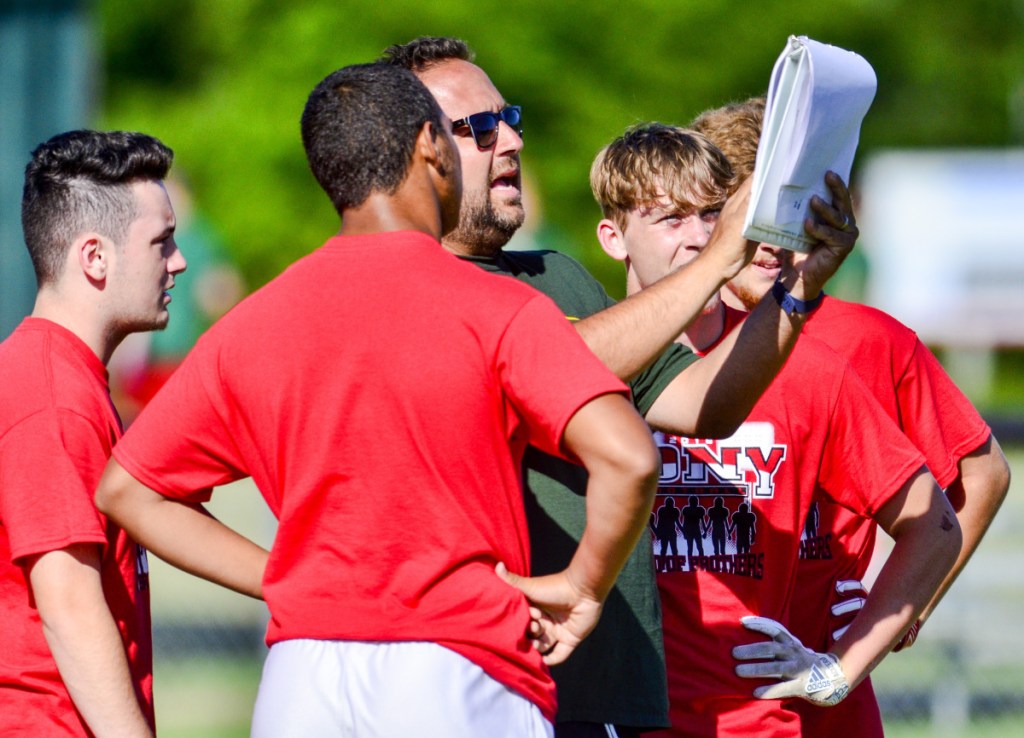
point(735, 129)
point(653, 160)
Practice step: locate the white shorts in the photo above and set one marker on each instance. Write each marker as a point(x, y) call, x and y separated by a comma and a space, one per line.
point(385, 690)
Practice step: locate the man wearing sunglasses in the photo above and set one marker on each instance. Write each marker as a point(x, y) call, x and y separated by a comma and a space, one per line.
point(614, 684)
point(483, 127)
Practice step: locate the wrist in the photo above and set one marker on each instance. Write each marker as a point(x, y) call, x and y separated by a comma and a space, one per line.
point(795, 300)
point(827, 684)
point(587, 580)
point(721, 261)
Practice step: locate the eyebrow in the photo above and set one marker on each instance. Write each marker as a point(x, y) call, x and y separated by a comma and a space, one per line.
point(166, 233)
point(661, 209)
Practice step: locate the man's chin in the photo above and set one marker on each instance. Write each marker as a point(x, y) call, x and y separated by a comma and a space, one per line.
point(485, 226)
point(472, 244)
point(742, 298)
point(158, 322)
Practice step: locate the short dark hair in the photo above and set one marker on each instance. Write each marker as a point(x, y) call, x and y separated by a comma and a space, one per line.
point(359, 130)
point(426, 51)
point(80, 181)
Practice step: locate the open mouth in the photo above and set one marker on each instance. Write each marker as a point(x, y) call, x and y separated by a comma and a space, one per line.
point(508, 178)
point(768, 266)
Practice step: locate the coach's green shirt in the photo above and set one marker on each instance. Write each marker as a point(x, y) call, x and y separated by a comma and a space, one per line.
point(617, 675)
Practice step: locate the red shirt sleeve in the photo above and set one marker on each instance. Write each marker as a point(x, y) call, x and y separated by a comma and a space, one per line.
point(50, 464)
point(549, 373)
point(936, 415)
point(180, 445)
point(867, 458)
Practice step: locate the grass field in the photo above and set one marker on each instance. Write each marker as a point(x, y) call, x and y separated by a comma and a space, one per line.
point(972, 647)
point(205, 698)
point(1006, 727)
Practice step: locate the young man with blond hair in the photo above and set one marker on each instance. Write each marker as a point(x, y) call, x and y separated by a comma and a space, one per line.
point(815, 430)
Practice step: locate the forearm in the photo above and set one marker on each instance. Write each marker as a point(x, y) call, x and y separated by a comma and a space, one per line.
point(630, 335)
point(85, 642)
point(927, 541)
point(712, 397)
point(182, 534)
point(976, 496)
point(618, 508)
point(622, 465)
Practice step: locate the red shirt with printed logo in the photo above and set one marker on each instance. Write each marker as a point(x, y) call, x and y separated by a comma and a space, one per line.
point(741, 506)
point(381, 393)
point(57, 427)
point(914, 390)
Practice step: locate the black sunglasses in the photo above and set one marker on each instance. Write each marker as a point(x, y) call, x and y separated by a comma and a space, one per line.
point(484, 126)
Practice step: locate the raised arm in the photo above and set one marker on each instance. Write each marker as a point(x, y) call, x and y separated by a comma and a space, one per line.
point(628, 336)
point(84, 639)
point(713, 396)
point(613, 443)
point(182, 534)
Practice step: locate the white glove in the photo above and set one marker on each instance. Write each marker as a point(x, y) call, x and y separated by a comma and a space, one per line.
point(815, 677)
point(852, 595)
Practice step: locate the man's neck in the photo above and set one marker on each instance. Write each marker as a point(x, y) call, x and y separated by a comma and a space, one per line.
point(385, 213)
point(80, 318)
point(705, 331)
point(461, 246)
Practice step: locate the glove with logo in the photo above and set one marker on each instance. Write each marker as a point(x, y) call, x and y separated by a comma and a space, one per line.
point(815, 677)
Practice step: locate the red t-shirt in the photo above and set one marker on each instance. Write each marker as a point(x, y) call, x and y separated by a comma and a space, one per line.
point(911, 386)
point(731, 318)
point(729, 547)
point(57, 427)
point(381, 393)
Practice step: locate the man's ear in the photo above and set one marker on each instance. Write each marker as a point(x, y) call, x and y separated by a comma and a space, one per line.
point(427, 145)
point(610, 238)
point(90, 253)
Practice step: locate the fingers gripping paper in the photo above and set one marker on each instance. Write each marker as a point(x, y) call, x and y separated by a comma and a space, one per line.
point(817, 98)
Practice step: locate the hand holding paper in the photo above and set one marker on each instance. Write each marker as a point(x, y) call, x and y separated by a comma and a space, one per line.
point(817, 99)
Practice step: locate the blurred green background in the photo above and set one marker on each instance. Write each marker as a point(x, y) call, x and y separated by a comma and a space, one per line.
point(223, 82)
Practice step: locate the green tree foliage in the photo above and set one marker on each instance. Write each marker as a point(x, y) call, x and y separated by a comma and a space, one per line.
point(224, 82)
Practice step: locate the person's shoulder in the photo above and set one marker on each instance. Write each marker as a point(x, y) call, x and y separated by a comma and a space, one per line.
point(44, 366)
point(541, 263)
point(538, 259)
point(869, 319)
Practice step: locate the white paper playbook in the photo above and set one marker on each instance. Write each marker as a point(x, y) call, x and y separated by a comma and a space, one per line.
point(817, 99)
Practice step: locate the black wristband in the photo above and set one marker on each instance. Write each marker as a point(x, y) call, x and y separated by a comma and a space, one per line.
point(790, 304)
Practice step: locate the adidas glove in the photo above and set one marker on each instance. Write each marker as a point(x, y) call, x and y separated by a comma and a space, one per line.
point(815, 677)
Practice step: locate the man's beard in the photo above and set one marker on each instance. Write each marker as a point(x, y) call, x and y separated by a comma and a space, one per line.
point(747, 297)
point(482, 230)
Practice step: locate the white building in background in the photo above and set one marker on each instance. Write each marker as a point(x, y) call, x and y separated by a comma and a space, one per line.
point(944, 234)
